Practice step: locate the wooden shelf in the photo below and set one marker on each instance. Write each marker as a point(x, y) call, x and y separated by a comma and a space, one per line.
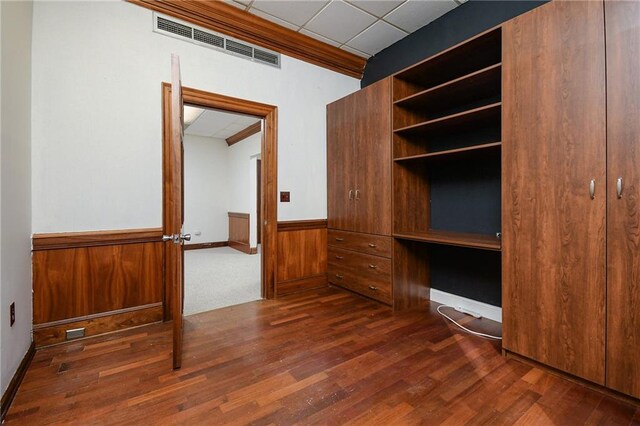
point(486, 112)
point(479, 84)
point(454, 152)
point(479, 241)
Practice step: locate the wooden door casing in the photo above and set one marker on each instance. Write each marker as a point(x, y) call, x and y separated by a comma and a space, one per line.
point(340, 165)
point(554, 143)
point(372, 161)
point(623, 216)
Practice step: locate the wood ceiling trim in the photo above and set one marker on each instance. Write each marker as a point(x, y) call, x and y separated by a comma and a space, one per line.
point(221, 17)
point(245, 133)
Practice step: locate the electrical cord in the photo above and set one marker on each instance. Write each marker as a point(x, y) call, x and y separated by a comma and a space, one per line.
point(488, 336)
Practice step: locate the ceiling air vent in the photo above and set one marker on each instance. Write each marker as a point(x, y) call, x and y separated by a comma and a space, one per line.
point(174, 27)
point(267, 57)
point(239, 48)
point(207, 38)
point(202, 37)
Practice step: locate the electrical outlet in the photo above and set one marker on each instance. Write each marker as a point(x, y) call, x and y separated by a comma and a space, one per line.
point(12, 310)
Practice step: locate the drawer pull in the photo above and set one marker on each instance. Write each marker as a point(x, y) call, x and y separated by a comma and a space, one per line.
point(339, 239)
point(372, 245)
point(374, 288)
point(338, 276)
point(339, 257)
point(372, 266)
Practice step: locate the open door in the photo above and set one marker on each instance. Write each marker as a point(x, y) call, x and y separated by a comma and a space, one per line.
point(174, 250)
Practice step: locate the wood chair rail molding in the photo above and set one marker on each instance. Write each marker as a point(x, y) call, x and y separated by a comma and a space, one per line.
point(221, 17)
point(299, 225)
point(66, 240)
point(269, 114)
point(244, 133)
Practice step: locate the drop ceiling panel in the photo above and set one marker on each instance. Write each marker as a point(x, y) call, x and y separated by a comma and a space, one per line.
point(218, 124)
point(340, 21)
point(415, 14)
point(363, 27)
point(376, 37)
point(295, 12)
point(377, 8)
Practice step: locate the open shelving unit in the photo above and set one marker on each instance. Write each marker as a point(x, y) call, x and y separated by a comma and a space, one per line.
point(447, 141)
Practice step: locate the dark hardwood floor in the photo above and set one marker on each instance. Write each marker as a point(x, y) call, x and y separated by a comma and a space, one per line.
point(324, 357)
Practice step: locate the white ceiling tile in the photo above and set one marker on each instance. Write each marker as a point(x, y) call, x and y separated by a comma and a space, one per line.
point(238, 4)
point(376, 37)
point(297, 12)
point(415, 14)
point(378, 8)
point(355, 51)
point(274, 19)
point(319, 37)
point(340, 21)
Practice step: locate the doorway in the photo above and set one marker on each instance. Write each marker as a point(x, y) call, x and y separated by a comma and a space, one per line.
point(268, 179)
point(221, 151)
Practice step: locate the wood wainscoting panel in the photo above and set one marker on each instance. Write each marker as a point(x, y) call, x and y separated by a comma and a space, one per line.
point(302, 256)
point(53, 333)
point(239, 231)
point(85, 280)
point(53, 241)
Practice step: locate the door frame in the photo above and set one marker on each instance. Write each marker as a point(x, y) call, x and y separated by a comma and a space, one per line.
point(269, 174)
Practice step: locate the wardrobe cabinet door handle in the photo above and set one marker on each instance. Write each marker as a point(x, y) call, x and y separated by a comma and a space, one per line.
point(339, 239)
point(357, 194)
point(339, 257)
point(338, 276)
point(619, 187)
point(372, 245)
point(374, 288)
point(351, 194)
point(372, 266)
point(592, 189)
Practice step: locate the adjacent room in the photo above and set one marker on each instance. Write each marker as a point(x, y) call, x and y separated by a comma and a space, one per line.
point(221, 209)
point(284, 212)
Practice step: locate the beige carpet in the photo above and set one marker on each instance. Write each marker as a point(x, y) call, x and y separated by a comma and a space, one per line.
point(219, 277)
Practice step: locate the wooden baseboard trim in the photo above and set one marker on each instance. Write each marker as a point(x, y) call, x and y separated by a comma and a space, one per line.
point(198, 246)
point(285, 288)
point(243, 247)
point(94, 325)
point(68, 240)
point(301, 225)
point(16, 380)
point(551, 370)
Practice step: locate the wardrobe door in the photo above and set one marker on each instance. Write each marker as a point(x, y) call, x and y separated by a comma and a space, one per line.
point(623, 212)
point(340, 165)
point(554, 147)
point(372, 140)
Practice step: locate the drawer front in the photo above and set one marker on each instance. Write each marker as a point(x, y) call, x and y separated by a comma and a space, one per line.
point(375, 288)
point(365, 265)
point(366, 243)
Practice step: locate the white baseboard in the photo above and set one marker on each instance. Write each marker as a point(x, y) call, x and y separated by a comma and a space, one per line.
point(487, 311)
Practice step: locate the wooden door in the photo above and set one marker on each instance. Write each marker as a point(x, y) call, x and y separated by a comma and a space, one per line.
point(554, 144)
point(372, 161)
point(340, 173)
point(623, 214)
point(174, 249)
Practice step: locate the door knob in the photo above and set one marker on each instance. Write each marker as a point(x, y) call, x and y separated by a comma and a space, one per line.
point(185, 237)
point(166, 238)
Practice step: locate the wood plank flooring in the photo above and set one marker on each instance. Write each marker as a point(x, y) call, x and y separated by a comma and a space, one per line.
point(324, 357)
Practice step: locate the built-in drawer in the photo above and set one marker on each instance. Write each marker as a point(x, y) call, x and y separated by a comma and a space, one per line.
point(365, 265)
point(366, 243)
point(378, 288)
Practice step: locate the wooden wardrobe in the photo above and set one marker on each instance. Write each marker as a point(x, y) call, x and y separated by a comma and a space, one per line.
point(571, 224)
point(359, 191)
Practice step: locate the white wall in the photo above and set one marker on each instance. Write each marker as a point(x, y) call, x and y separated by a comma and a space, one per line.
point(206, 191)
point(253, 200)
point(97, 69)
point(15, 182)
point(240, 169)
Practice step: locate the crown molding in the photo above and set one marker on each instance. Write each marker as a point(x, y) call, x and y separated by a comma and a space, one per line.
point(221, 17)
